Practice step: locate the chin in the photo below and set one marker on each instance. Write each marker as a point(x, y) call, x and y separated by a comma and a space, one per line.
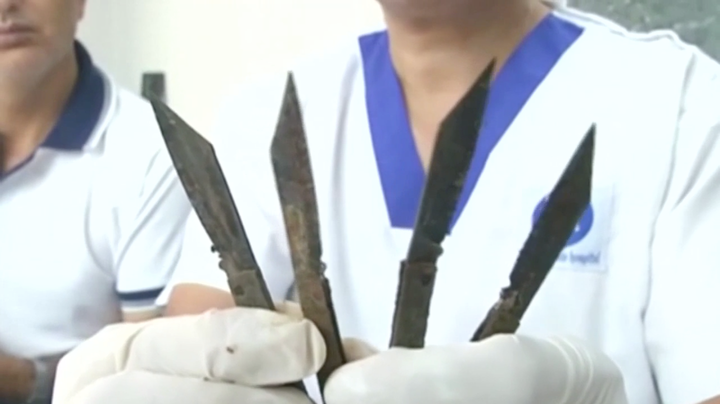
point(20, 65)
point(428, 9)
point(431, 4)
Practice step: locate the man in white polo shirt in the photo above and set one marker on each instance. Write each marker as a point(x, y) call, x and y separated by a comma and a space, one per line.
point(91, 212)
point(637, 287)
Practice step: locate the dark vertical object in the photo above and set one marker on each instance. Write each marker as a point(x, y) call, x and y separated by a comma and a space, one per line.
point(153, 85)
point(450, 163)
point(200, 173)
point(696, 21)
point(565, 206)
point(204, 182)
point(296, 190)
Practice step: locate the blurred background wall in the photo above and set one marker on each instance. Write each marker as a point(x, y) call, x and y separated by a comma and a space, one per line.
point(697, 21)
point(205, 47)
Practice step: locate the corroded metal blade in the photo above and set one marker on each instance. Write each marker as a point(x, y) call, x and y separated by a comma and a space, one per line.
point(200, 173)
point(450, 163)
point(153, 86)
point(565, 206)
point(296, 189)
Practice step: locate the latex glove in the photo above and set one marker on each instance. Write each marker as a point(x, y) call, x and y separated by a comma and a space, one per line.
point(504, 369)
point(238, 355)
point(229, 356)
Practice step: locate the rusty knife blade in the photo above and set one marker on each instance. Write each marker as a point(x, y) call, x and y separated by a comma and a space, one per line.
point(153, 85)
point(204, 182)
point(296, 190)
point(564, 207)
point(450, 163)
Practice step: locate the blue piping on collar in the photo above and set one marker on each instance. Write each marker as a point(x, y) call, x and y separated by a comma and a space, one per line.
point(83, 109)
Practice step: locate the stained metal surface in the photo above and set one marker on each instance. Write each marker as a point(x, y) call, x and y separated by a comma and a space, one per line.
point(153, 86)
point(450, 163)
point(200, 173)
point(296, 189)
point(565, 206)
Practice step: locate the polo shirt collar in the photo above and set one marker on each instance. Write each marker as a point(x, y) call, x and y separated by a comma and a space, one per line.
point(83, 110)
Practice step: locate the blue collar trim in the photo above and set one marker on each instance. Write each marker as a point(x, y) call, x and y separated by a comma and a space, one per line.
point(84, 108)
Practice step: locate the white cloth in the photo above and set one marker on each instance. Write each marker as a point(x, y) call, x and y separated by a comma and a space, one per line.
point(241, 355)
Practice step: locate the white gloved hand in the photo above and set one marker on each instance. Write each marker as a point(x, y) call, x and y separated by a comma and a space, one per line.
point(240, 355)
point(505, 369)
point(220, 357)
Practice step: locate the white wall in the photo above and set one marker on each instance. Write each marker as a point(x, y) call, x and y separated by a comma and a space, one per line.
point(207, 46)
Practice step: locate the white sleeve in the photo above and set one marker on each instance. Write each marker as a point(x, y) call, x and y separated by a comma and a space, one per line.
point(149, 245)
point(682, 320)
point(241, 140)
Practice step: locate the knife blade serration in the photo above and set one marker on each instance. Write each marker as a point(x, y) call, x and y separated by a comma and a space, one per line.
point(204, 182)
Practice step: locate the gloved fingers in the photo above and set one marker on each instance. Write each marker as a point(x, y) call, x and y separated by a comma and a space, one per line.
point(356, 349)
point(559, 370)
point(139, 387)
point(422, 376)
point(245, 346)
point(290, 309)
point(505, 369)
point(101, 355)
point(593, 376)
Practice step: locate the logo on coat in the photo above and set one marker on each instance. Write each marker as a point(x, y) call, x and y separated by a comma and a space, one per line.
point(576, 252)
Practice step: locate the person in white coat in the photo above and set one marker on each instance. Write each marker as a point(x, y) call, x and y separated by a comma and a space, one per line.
point(628, 314)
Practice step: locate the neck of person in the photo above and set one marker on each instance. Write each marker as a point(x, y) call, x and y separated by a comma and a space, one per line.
point(439, 56)
point(30, 107)
point(446, 47)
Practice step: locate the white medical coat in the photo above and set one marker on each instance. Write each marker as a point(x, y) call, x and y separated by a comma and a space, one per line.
point(638, 279)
